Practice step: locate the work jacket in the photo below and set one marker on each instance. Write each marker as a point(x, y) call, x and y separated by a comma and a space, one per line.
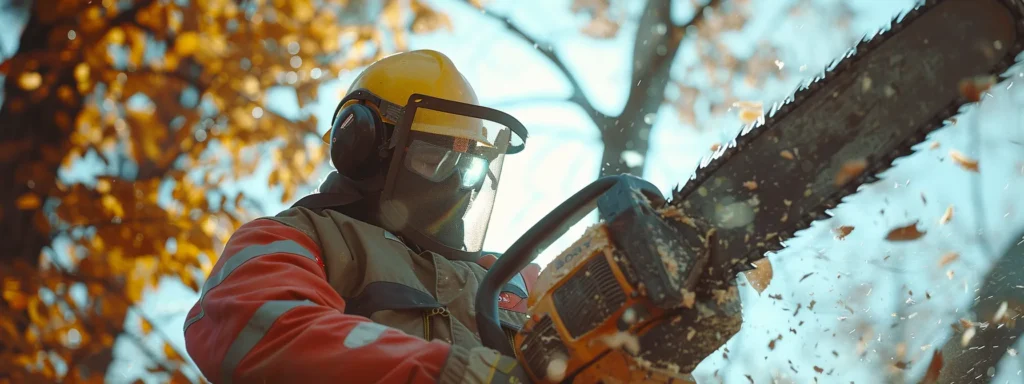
point(315, 296)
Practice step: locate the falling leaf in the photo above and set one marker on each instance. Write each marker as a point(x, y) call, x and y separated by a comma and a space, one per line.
point(964, 161)
point(761, 276)
point(850, 170)
point(947, 216)
point(973, 88)
point(906, 233)
point(786, 154)
point(947, 258)
point(751, 185)
point(601, 28)
point(843, 231)
point(716, 146)
point(145, 326)
point(935, 145)
point(170, 352)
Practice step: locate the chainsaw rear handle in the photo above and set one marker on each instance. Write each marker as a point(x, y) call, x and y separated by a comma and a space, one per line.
point(599, 194)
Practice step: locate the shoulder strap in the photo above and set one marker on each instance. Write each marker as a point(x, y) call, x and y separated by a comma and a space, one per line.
point(325, 200)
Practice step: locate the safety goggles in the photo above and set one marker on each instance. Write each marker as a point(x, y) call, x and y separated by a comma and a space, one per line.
point(437, 163)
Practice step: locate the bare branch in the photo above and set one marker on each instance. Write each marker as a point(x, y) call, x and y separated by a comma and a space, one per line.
point(578, 96)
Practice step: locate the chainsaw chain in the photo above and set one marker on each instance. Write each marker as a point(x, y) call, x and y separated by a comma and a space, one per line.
point(808, 91)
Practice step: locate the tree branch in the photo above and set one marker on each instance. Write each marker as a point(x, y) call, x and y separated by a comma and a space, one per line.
point(655, 46)
point(578, 96)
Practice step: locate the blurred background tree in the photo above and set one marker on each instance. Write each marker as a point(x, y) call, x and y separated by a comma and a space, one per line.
point(134, 132)
point(170, 98)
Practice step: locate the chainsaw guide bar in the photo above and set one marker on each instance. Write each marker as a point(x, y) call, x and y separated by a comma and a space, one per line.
point(870, 108)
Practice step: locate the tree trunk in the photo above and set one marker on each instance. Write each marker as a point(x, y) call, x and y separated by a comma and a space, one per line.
point(626, 137)
point(41, 104)
point(973, 363)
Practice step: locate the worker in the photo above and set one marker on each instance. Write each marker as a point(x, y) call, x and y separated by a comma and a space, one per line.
point(373, 277)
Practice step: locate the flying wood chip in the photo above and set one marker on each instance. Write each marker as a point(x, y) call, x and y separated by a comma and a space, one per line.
point(964, 161)
point(973, 88)
point(946, 216)
point(947, 258)
point(906, 233)
point(850, 170)
point(931, 376)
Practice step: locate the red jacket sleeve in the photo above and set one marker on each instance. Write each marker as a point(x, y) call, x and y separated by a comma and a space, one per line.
point(268, 315)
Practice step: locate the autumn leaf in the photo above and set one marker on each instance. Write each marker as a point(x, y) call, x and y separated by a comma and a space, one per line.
point(186, 43)
point(30, 81)
point(28, 201)
point(905, 233)
point(170, 352)
point(761, 276)
point(843, 231)
point(601, 28)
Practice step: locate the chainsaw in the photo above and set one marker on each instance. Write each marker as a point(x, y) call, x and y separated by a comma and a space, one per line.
point(650, 291)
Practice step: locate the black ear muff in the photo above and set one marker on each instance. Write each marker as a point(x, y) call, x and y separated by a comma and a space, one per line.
point(355, 138)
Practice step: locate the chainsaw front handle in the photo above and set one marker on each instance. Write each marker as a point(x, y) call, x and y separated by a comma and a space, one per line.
point(541, 235)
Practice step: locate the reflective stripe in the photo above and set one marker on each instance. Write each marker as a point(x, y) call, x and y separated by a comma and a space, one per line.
point(253, 332)
point(501, 371)
point(363, 334)
point(235, 261)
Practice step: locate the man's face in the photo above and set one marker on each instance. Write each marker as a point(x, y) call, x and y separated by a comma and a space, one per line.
point(437, 209)
point(445, 177)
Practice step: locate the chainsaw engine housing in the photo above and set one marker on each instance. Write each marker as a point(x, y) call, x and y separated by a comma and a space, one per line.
point(595, 304)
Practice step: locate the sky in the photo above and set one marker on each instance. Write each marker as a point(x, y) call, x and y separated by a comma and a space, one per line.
point(863, 272)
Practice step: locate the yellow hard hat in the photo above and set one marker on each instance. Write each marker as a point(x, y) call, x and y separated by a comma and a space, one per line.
point(397, 77)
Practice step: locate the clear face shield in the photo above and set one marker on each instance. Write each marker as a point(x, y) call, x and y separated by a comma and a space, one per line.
point(444, 173)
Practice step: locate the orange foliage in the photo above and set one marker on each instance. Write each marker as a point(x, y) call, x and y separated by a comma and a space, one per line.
point(173, 102)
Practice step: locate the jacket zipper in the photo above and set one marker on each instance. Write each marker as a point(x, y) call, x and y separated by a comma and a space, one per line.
point(510, 331)
point(427, 316)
